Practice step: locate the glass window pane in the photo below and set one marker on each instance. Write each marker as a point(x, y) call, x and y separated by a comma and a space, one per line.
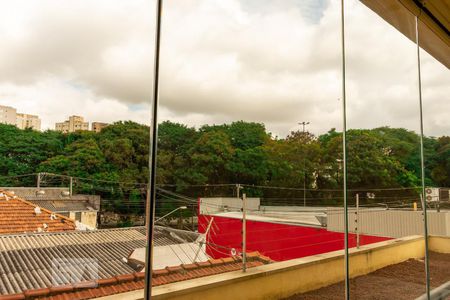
point(384, 153)
point(435, 89)
point(261, 83)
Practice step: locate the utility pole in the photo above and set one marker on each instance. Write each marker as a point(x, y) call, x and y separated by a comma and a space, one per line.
point(304, 125)
point(304, 164)
point(244, 233)
point(39, 181)
point(238, 190)
point(71, 187)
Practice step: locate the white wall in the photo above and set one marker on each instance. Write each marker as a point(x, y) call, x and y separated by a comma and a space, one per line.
point(8, 115)
point(389, 223)
point(215, 205)
point(172, 255)
point(89, 218)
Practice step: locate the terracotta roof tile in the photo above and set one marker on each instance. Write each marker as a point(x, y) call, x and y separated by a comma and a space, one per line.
point(217, 262)
point(18, 216)
point(131, 282)
point(189, 266)
point(204, 263)
point(161, 272)
point(12, 297)
point(174, 269)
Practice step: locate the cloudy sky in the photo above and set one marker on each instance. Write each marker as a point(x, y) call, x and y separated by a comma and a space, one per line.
point(271, 61)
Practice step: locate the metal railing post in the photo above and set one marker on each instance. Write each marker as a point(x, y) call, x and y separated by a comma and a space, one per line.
point(357, 221)
point(244, 233)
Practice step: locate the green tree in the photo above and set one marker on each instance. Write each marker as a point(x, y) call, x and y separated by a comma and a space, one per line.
point(22, 150)
point(245, 135)
point(174, 142)
point(441, 172)
point(209, 157)
point(82, 158)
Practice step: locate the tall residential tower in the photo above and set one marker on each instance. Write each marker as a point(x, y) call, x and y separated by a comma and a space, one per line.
point(75, 123)
point(9, 115)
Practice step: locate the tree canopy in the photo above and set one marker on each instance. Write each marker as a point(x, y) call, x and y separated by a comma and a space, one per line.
point(240, 152)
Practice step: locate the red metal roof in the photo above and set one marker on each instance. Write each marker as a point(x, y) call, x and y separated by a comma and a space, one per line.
point(19, 216)
point(280, 242)
point(131, 282)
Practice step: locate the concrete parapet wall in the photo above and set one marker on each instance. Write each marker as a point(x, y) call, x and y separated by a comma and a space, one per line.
point(284, 279)
point(439, 244)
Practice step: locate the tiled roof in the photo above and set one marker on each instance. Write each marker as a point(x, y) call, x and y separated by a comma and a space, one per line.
point(19, 216)
point(27, 261)
point(135, 281)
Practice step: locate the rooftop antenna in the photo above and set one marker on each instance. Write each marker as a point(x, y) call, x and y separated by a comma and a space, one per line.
point(304, 164)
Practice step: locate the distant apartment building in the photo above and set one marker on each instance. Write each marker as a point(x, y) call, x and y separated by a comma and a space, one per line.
point(24, 121)
point(98, 126)
point(75, 123)
point(9, 115)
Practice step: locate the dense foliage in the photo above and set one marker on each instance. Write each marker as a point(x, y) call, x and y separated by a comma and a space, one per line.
point(239, 152)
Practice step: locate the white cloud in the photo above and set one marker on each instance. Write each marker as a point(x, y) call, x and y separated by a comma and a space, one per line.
point(276, 62)
point(56, 100)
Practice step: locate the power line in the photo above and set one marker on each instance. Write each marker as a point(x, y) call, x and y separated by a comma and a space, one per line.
point(208, 184)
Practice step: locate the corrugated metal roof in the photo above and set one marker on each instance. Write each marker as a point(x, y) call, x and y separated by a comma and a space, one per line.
point(26, 259)
point(135, 281)
point(26, 192)
point(62, 205)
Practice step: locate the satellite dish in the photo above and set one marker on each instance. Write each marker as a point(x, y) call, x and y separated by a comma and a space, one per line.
point(37, 210)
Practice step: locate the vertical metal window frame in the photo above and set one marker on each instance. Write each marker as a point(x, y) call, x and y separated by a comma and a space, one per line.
point(151, 190)
point(422, 162)
point(344, 154)
point(344, 141)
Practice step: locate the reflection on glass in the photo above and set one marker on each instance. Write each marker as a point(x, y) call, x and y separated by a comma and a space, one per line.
point(266, 105)
point(435, 78)
point(384, 154)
